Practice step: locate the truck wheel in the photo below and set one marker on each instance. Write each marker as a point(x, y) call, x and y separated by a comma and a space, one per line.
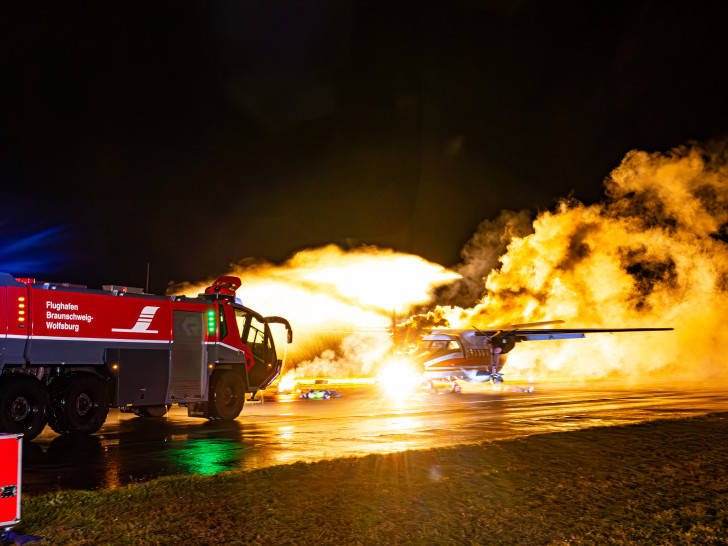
point(227, 394)
point(23, 404)
point(78, 404)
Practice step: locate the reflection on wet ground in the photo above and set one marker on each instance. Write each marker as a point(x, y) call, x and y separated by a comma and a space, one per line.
point(132, 449)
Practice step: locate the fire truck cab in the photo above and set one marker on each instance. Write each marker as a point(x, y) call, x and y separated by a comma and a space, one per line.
point(68, 353)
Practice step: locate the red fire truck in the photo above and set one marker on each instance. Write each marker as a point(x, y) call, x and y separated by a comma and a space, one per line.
point(68, 353)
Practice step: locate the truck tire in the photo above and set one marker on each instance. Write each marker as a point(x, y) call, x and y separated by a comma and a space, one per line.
point(23, 405)
point(78, 404)
point(227, 395)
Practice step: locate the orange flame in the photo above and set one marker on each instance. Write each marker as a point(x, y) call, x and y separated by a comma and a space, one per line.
point(398, 380)
point(328, 294)
point(287, 382)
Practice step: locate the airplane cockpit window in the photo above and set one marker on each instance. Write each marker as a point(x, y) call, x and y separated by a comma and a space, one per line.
point(438, 345)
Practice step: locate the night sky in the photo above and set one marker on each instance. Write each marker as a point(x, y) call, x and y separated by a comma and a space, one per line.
point(192, 135)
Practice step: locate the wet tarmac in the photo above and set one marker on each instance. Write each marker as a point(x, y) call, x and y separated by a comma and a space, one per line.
point(285, 429)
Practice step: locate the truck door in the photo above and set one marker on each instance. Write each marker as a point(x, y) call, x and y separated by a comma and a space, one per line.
point(259, 343)
point(256, 335)
point(188, 372)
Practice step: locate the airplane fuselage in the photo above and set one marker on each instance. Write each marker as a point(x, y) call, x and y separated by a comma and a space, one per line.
point(464, 355)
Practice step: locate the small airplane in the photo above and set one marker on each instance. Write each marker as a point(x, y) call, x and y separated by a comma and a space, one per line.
point(478, 356)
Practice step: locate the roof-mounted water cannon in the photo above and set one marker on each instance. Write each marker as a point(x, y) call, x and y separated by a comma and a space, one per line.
point(224, 288)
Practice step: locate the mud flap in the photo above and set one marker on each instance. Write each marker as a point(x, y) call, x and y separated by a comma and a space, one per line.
point(198, 409)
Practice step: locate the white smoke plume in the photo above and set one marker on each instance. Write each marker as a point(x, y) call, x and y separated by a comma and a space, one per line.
point(481, 255)
point(359, 355)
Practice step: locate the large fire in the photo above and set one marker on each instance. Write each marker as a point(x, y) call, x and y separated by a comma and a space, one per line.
point(652, 253)
point(339, 303)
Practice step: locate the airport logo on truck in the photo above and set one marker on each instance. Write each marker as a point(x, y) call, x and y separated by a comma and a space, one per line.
point(63, 316)
point(142, 323)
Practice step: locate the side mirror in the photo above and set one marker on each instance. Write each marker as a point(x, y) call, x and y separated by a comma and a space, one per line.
point(284, 322)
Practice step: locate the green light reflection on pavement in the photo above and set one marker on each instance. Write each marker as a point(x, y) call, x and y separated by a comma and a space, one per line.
point(206, 456)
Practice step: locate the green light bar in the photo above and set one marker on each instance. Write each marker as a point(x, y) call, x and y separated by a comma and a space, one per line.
point(211, 321)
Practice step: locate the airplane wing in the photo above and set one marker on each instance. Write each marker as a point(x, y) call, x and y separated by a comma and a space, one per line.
point(522, 332)
point(519, 332)
point(564, 333)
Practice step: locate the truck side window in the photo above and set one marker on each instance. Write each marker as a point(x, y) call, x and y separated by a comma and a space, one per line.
point(241, 317)
point(253, 333)
point(223, 322)
point(256, 337)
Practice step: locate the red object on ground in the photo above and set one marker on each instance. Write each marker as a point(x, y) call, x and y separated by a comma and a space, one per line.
point(11, 450)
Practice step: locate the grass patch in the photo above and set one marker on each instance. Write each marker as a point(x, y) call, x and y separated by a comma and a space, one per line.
point(661, 482)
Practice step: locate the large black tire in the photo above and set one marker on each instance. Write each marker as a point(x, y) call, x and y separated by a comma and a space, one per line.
point(79, 404)
point(23, 405)
point(227, 395)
